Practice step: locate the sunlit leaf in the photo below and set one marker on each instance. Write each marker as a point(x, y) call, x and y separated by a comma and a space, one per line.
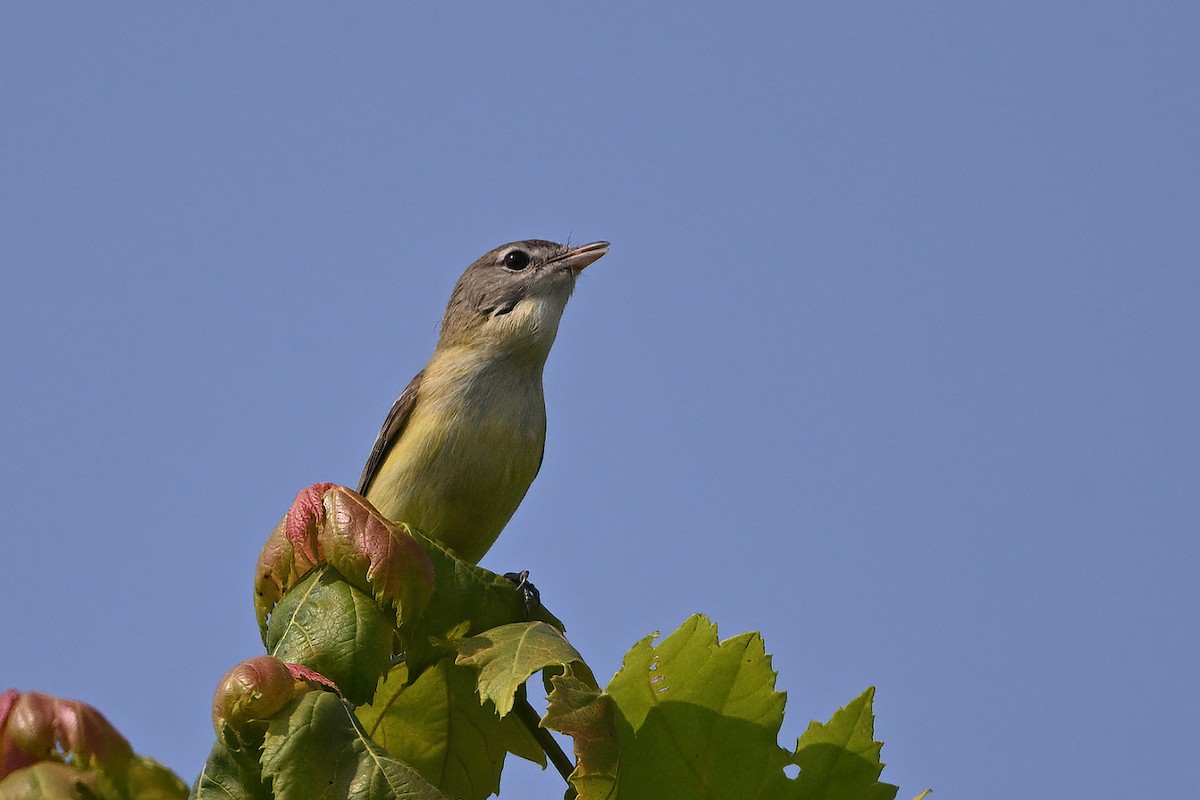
point(507, 655)
point(839, 760)
point(697, 718)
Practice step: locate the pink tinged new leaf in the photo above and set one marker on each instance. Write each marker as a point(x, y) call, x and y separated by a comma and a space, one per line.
point(291, 551)
point(330, 524)
point(381, 557)
point(303, 673)
point(7, 698)
point(12, 757)
point(38, 727)
point(303, 520)
point(277, 571)
point(51, 748)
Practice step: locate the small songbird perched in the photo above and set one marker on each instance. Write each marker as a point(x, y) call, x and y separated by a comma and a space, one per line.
point(464, 441)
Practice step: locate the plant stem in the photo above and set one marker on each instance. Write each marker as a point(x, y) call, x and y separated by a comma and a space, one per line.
point(532, 720)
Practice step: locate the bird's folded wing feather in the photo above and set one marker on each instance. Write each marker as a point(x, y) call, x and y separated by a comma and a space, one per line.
point(393, 428)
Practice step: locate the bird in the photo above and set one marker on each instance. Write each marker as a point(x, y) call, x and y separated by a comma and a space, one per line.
point(461, 445)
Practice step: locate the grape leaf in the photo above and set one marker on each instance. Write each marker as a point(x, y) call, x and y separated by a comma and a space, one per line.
point(697, 718)
point(839, 760)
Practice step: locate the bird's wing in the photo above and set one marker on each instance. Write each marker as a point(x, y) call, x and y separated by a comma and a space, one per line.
point(392, 428)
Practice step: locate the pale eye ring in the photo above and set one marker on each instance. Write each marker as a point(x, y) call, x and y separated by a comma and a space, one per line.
point(516, 259)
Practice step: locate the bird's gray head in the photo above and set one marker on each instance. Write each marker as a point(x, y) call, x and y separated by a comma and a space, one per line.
point(514, 296)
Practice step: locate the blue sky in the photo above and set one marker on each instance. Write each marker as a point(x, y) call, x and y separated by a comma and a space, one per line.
point(894, 358)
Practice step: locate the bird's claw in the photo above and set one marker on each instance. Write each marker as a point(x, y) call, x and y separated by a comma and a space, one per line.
point(531, 598)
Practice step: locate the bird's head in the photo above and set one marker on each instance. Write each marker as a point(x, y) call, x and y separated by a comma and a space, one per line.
point(512, 298)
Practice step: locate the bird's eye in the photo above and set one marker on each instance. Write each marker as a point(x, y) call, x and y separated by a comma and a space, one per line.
point(516, 259)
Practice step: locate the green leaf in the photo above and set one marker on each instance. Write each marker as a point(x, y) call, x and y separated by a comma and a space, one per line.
point(231, 775)
point(507, 655)
point(333, 627)
point(840, 759)
point(580, 710)
point(150, 780)
point(49, 780)
point(467, 600)
point(319, 751)
point(249, 697)
point(698, 719)
point(439, 726)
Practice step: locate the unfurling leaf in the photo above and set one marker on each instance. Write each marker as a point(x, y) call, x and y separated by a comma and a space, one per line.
point(37, 727)
point(360, 541)
point(330, 524)
point(247, 698)
point(252, 692)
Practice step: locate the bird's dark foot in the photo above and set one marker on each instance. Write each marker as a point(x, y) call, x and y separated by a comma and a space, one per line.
point(531, 597)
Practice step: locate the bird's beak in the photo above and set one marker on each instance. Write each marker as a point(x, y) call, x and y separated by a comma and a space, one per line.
point(576, 258)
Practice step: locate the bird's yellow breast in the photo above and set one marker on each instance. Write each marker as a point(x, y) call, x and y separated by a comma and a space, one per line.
point(471, 448)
